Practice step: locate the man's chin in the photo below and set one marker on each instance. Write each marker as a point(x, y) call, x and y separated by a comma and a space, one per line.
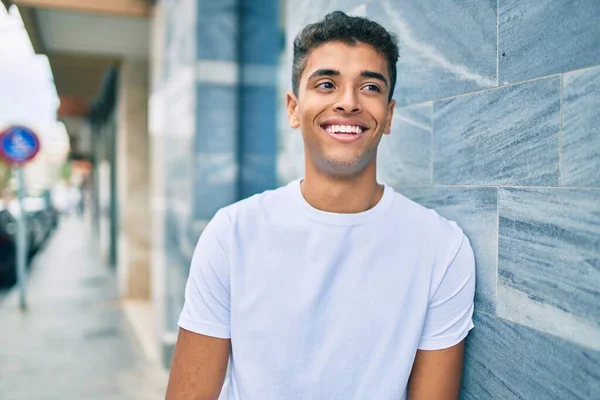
point(343, 167)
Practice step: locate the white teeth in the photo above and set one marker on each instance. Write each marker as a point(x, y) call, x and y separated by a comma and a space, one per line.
point(344, 129)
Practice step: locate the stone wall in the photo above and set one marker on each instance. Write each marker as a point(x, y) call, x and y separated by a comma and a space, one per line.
point(213, 119)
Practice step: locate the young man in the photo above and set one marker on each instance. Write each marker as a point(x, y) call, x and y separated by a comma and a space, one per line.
point(334, 286)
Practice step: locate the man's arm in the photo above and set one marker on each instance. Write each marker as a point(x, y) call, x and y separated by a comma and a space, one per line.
point(436, 374)
point(198, 368)
point(438, 365)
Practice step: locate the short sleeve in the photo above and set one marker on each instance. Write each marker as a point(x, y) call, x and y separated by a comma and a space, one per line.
point(450, 313)
point(206, 307)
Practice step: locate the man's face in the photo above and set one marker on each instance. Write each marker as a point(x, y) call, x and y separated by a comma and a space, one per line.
point(342, 107)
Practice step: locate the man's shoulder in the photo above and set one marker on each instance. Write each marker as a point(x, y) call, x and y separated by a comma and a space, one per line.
point(260, 205)
point(439, 236)
point(426, 222)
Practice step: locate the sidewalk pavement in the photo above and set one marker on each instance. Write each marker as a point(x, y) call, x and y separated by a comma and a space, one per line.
point(74, 341)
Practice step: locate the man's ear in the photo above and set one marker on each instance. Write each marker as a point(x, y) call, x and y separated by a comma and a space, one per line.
point(292, 108)
point(387, 129)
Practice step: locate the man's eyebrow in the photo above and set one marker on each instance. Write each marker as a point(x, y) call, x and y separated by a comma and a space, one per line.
point(334, 72)
point(374, 75)
point(324, 72)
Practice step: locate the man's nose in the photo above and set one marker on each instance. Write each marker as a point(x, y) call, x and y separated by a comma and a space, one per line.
point(348, 102)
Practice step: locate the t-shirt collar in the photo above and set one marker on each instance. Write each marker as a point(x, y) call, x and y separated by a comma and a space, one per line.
point(331, 218)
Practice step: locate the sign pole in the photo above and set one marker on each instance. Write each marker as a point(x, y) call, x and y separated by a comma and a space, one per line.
point(19, 145)
point(21, 240)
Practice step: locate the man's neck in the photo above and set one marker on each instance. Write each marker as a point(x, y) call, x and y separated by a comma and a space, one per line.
point(341, 195)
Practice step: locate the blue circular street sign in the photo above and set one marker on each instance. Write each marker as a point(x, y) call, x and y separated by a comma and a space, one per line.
point(18, 144)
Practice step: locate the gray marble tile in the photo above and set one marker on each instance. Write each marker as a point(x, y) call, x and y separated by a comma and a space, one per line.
point(209, 198)
point(447, 47)
point(258, 120)
point(179, 36)
point(217, 30)
point(544, 37)
point(258, 139)
point(216, 118)
point(508, 361)
point(257, 174)
point(178, 168)
point(262, 38)
point(549, 261)
point(180, 117)
point(177, 265)
point(580, 157)
point(301, 13)
point(404, 156)
point(180, 104)
point(215, 183)
point(475, 211)
point(505, 136)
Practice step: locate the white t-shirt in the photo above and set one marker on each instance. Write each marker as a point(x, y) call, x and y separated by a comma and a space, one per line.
point(328, 306)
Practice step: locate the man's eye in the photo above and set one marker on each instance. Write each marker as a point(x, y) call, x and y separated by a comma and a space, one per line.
point(373, 87)
point(325, 85)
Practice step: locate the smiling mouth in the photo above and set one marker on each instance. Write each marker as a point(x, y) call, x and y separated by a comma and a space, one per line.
point(344, 129)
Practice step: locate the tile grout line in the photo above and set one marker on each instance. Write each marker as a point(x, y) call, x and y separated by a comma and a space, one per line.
point(452, 97)
point(467, 186)
point(497, 43)
point(483, 90)
point(432, 147)
point(582, 69)
point(560, 132)
point(539, 331)
point(497, 251)
point(412, 123)
point(476, 311)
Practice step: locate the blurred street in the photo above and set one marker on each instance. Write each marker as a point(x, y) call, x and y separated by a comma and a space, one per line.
point(73, 342)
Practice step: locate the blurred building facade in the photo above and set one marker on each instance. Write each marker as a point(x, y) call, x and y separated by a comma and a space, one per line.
point(496, 127)
point(214, 109)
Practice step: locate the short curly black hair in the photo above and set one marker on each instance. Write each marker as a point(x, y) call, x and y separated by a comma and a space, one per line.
point(339, 27)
